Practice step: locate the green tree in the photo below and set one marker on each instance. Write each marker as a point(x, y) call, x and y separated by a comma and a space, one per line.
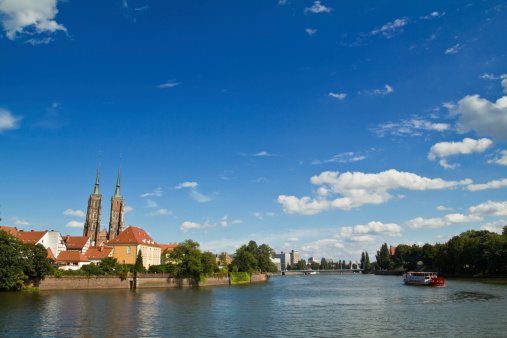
point(315, 265)
point(244, 261)
point(324, 264)
point(188, 257)
point(139, 267)
point(367, 264)
point(36, 263)
point(110, 265)
point(383, 258)
point(301, 265)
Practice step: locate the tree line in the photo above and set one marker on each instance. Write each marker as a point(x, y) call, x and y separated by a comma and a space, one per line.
point(474, 252)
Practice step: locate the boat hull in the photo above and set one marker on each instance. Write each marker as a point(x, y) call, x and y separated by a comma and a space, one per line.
point(423, 278)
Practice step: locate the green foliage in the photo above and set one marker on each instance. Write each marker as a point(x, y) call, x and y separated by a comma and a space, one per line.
point(383, 258)
point(251, 258)
point(301, 265)
point(315, 266)
point(20, 262)
point(92, 269)
point(324, 265)
point(365, 261)
point(110, 265)
point(190, 261)
point(240, 277)
point(139, 267)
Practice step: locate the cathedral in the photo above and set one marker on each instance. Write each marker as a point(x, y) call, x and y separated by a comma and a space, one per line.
point(93, 214)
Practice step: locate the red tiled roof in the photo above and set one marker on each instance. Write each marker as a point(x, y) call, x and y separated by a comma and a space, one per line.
point(31, 236)
point(75, 242)
point(12, 231)
point(98, 252)
point(50, 255)
point(392, 250)
point(169, 247)
point(71, 256)
point(133, 235)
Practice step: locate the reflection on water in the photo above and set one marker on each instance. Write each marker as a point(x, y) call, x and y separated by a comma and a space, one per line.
point(331, 305)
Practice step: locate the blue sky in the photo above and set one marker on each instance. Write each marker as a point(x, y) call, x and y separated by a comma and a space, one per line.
point(321, 126)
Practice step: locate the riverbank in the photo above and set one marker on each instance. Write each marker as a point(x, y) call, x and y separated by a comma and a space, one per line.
point(141, 281)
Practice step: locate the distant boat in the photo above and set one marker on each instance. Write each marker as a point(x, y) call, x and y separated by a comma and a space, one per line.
point(423, 278)
point(311, 273)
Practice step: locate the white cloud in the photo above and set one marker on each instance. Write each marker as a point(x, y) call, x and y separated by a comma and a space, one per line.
point(495, 184)
point(442, 208)
point(157, 192)
point(186, 226)
point(77, 213)
point(198, 197)
point(263, 153)
point(368, 233)
point(293, 239)
point(237, 221)
point(432, 15)
point(453, 50)
point(502, 160)
point(18, 221)
point(29, 16)
point(490, 208)
point(159, 212)
point(348, 157)
point(128, 209)
point(494, 226)
point(125, 4)
point(74, 224)
point(467, 146)
point(318, 8)
point(223, 222)
point(8, 121)
point(387, 90)
point(340, 96)
point(258, 215)
point(168, 84)
point(186, 185)
point(483, 116)
point(391, 28)
point(410, 127)
point(310, 31)
point(359, 188)
point(439, 222)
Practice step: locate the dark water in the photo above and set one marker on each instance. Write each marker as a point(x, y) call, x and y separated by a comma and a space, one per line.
point(317, 306)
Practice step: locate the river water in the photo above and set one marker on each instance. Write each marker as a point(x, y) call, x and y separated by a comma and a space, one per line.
point(316, 305)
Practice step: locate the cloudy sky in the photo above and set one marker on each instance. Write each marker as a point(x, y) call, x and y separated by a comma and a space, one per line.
point(322, 126)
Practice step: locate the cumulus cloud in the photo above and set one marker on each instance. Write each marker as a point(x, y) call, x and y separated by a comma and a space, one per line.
point(391, 28)
point(76, 213)
point(151, 204)
point(196, 195)
point(293, 239)
point(159, 212)
point(310, 31)
point(18, 221)
point(186, 185)
point(467, 146)
point(128, 209)
point(483, 116)
point(495, 184)
point(318, 8)
point(368, 233)
point(186, 226)
point(168, 84)
point(490, 208)
point(439, 222)
point(442, 208)
point(386, 90)
point(348, 157)
point(494, 226)
point(339, 96)
point(157, 192)
point(8, 121)
point(29, 17)
point(74, 224)
point(411, 127)
point(501, 159)
point(264, 153)
point(359, 188)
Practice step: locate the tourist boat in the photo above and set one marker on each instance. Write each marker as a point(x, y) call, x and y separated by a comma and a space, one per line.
point(423, 278)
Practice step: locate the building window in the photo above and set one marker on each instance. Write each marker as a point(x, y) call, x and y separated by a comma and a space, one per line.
point(116, 203)
point(94, 216)
point(128, 250)
point(95, 204)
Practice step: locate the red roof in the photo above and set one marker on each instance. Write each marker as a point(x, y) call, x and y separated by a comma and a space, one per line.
point(31, 236)
point(133, 235)
point(392, 250)
point(169, 246)
point(71, 256)
point(75, 242)
point(50, 255)
point(12, 231)
point(98, 252)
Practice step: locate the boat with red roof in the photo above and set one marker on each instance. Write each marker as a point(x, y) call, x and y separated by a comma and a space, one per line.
point(423, 278)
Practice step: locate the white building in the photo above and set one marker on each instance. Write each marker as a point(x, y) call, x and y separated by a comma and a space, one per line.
point(284, 260)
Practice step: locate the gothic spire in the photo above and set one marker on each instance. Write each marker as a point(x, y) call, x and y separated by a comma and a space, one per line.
point(117, 190)
point(96, 189)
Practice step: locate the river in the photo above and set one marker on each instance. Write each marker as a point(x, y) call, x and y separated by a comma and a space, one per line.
point(315, 305)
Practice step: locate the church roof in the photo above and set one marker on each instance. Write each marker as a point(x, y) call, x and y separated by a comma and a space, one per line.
point(71, 256)
point(75, 242)
point(31, 236)
point(133, 235)
point(98, 252)
point(9, 230)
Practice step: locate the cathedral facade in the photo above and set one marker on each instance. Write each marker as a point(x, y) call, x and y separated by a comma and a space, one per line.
point(94, 211)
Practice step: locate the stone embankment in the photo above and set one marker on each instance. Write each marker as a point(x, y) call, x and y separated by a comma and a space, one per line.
point(140, 281)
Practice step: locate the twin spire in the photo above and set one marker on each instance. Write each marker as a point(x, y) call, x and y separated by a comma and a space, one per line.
point(116, 191)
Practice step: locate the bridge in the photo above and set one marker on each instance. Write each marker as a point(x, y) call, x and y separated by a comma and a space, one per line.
point(318, 272)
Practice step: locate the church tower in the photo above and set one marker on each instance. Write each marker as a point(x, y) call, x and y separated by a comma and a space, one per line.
point(116, 222)
point(92, 222)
